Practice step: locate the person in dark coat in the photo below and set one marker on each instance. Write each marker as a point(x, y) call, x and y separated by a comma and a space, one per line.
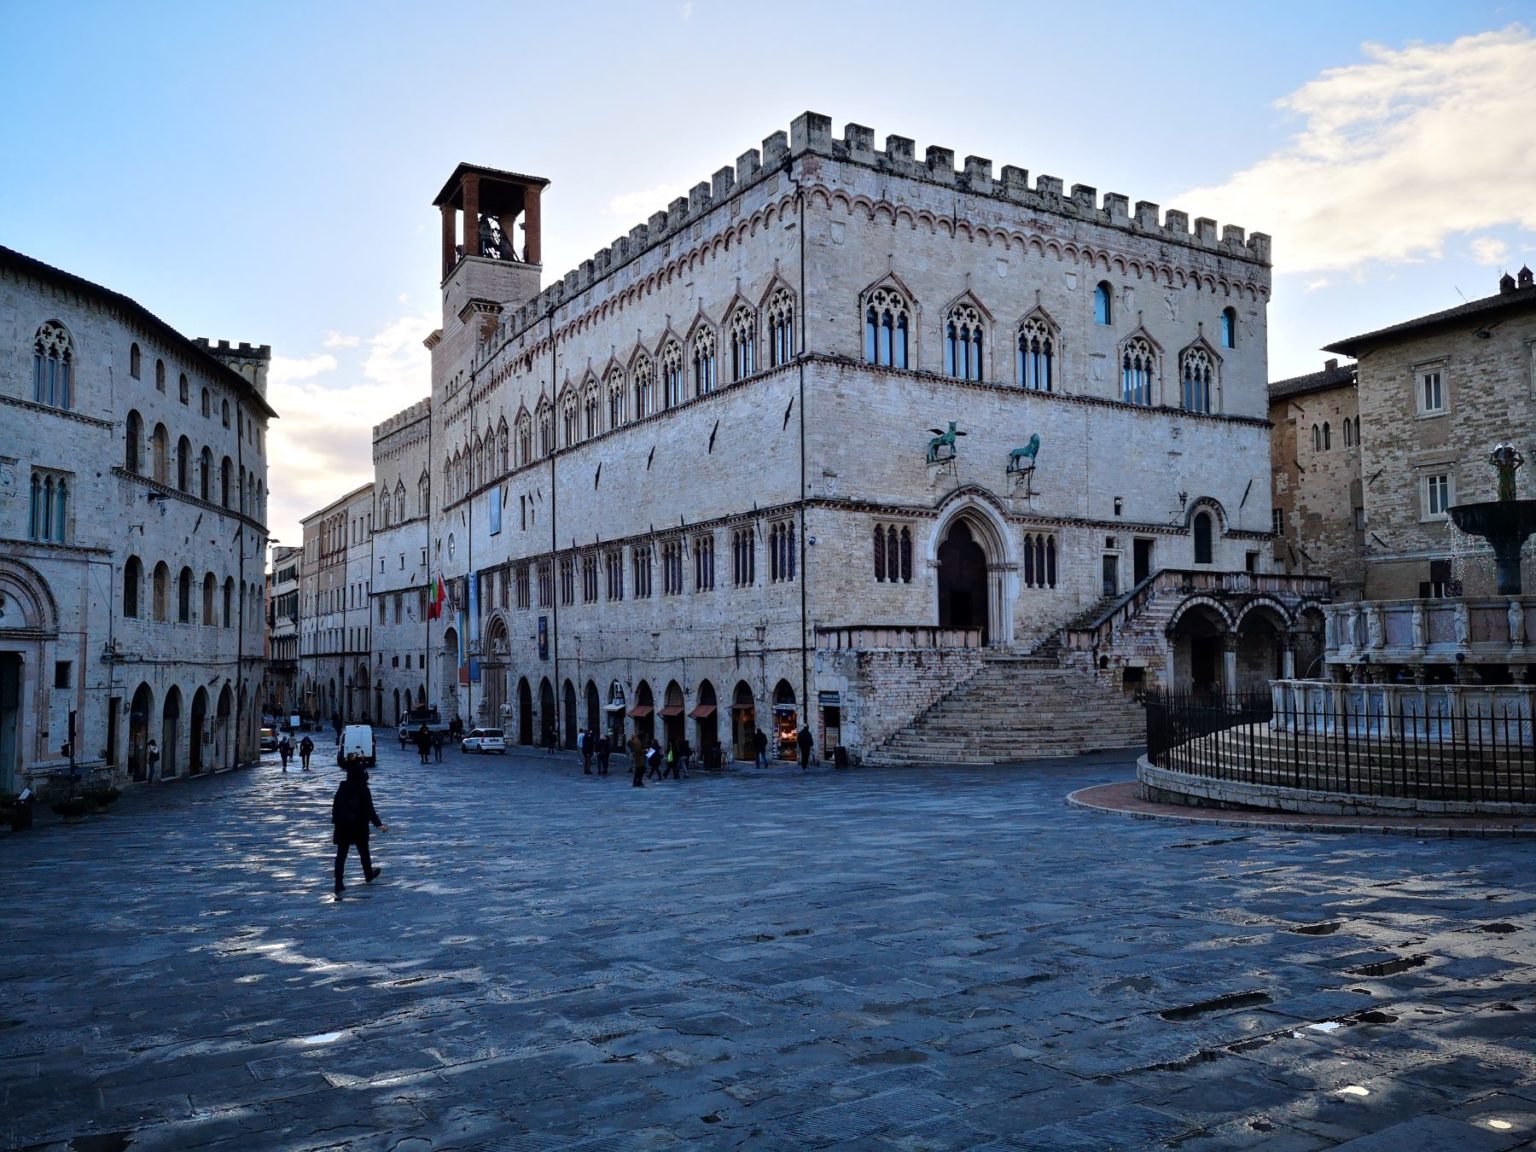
point(637, 752)
point(760, 747)
point(352, 811)
point(423, 742)
point(604, 751)
point(285, 750)
point(306, 749)
point(805, 742)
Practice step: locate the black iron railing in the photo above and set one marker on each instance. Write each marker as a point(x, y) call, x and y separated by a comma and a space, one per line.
point(1439, 748)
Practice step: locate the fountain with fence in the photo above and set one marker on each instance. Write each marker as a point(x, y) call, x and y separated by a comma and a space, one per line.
point(1428, 707)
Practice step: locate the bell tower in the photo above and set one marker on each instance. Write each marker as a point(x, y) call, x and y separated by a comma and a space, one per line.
point(487, 267)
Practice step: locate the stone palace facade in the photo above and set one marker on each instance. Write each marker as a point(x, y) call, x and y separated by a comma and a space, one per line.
point(814, 442)
point(133, 495)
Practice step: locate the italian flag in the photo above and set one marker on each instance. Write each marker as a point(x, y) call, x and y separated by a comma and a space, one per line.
point(439, 594)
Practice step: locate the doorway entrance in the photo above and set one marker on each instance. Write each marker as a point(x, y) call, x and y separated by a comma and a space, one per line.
point(10, 718)
point(1141, 560)
point(962, 581)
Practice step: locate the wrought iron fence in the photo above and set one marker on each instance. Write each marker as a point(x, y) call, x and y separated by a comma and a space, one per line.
point(1437, 746)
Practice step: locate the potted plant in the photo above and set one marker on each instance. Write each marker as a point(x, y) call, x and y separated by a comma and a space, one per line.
point(100, 797)
point(72, 807)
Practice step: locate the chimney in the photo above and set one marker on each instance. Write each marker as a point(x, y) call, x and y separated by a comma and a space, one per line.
point(1506, 283)
point(1330, 365)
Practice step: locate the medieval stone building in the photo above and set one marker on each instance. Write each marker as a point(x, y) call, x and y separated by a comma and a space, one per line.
point(133, 493)
point(842, 429)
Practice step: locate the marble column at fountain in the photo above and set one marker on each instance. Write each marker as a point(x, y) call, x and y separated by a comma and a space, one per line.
point(1505, 523)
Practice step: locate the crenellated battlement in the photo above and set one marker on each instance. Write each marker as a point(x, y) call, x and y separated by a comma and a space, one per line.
point(811, 133)
point(242, 350)
point(402, 419)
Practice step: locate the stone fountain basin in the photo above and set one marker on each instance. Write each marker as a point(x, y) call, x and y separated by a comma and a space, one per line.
point(1496, 519)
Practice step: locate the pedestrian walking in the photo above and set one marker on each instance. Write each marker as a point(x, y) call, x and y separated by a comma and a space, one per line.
point(584, 746)
point(336, 724)
point(306, 748)
point(352, 811)
point(684, 756)
point(437, 747)
point(604, 751)
point(669, 771)
point(423, 742)
point(653, 761)
point(152, 755)
point(285, 751)
point(636, 748)
point(551, 741)
point(807, 747)
point(760, 746)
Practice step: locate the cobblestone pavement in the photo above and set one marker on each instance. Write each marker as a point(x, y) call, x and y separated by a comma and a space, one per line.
point(765, 960)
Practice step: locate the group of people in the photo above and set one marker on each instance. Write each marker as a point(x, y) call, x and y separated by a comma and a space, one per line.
point(805, 744)
point(285, 750)
point(653, 763)
point(594, 746)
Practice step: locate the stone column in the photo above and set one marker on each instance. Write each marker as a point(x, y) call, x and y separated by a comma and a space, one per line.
point(1288, 658)
point(450, 221)
point(532, 251)
point(1229, 665)
point(471, 189)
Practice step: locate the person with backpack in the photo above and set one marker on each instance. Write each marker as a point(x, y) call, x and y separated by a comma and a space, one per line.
point(306, 747)
point(352, 811)
point(285, 750)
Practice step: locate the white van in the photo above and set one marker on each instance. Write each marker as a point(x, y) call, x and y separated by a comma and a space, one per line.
point(356, 740)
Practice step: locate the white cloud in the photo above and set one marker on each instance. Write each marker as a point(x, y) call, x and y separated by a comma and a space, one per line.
point(638, 206)
point(1396, 154)
point(286, 369)
point(334, 339)
point(1490, 250)
point(1317, 285)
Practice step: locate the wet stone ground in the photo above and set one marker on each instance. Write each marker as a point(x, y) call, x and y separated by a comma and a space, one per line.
point(895, 960)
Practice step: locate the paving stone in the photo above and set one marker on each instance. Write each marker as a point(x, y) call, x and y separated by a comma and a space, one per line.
point(902, 959)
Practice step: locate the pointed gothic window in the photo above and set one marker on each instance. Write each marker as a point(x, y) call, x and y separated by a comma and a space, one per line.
point(545, 417)
point(1138, 368)
point(1036, 362)
point(743, 344)
point(645, 388)
point(591, 412)
point(887, 323)
point(615, 384)
point(1103, 306)
point(963, 343)
point(524, 439)
point(53, 366)
point(1196, 380)
point(672, 375)
point(781, 328)
point(703, 362)
point(1229, 328)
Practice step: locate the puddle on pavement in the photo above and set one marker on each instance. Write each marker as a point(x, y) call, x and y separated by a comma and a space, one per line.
point(895, 1057)
point(1219, 1004)
point(1325, 929)
point(1500, 928)
point(1389, 967)
point(100, 1142)
point(322, 1038)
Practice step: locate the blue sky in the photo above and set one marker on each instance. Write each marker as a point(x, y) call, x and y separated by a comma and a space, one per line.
point(264, 172)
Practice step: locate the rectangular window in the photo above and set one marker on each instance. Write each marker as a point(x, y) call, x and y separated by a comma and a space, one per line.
point(641, 563)
point(614, 562)
point(703, 563)
point(743, 558)
point(1277, 521)
point(1431, 391)
point(61, 673)
point(407, 661)
point(546, 583)
point(1437, 494)
point(383, 611)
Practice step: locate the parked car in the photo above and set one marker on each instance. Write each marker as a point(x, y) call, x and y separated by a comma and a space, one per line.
point(268, 740)
point(356, 740)
point(484, 740)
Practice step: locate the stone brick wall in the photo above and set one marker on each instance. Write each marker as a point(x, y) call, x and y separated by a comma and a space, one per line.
point(882, 690)
point(1318, 489)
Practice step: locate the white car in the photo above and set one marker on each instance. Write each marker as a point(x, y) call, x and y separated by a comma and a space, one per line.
point(484, 740)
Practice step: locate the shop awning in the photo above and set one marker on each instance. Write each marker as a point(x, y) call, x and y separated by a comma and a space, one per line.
point(619, 707)
point(702, 711)
point(671, 710)
point(639, 710)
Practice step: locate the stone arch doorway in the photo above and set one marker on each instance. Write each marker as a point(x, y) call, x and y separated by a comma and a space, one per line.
point(221, 728)
point(570, 714)
point(963, 598)
point(548, 730)
point(359, 708)
point(594, 709)
point(743, 722)
point(397, 708)
point(448, 693)
point(524, 711)
point(199, 734)
point(786, 723)
point(672, 721)
point(11, 668)
point(644, 712)
point(1308, 644)
point(139, 714)
point(170, 735)
point(493, 671)
point(1199, 638)
point(706, 724)
point(1261, 644)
